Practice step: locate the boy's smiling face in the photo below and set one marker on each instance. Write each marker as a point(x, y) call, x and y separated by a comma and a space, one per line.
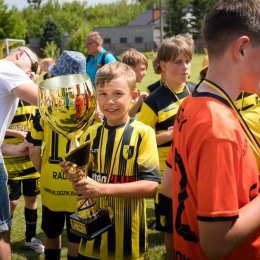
point(114, 99)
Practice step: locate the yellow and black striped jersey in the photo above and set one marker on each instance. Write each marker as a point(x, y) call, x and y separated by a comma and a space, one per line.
point(151, 88)
point(246, 100)
point(20, 167)
point(159, 110)
point(122, 154)
point(57, 193)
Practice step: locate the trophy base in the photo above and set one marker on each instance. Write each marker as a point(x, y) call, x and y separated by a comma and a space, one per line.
point(91, 229)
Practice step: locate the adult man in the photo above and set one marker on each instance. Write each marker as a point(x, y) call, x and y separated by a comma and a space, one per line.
point(15, 73)
point(93, 44)
point(215, 183)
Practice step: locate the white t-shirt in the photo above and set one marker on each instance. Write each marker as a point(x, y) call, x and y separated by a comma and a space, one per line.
point(11, 77)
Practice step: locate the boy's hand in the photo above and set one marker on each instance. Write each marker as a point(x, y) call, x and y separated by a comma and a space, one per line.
point(88, 188)
point(141, 97)
point(71, 175)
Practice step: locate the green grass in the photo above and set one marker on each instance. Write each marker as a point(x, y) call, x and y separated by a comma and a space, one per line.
point(155, 239)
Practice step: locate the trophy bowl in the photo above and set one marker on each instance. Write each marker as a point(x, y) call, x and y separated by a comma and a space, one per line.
point(67, 105)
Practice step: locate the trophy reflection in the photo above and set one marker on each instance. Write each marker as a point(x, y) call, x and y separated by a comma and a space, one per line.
point(67, 104)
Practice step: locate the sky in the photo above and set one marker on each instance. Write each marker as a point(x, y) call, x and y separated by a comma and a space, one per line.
point(20, 4)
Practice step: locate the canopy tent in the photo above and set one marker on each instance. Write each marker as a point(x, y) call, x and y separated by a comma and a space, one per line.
point(6, 43)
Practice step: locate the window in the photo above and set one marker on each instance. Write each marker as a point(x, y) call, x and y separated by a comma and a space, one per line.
point(107, 40)
point(138, 39)
point(123, 40)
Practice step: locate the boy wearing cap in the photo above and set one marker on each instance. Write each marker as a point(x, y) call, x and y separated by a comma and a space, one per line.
point(56, 208)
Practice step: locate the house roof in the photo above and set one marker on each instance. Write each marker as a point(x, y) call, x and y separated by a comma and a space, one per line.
point(148, 17)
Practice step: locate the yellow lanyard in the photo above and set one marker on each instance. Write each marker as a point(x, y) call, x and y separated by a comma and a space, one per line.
point(175, 93)
point(250, 137)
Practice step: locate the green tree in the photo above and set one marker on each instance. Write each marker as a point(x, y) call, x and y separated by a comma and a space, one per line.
point(174, 16)
point(11, 23)
point(51, 32)
point(51, 50)
point(77, 40)
point(199, 9)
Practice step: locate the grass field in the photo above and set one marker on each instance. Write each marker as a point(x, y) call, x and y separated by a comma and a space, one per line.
point(155, 239)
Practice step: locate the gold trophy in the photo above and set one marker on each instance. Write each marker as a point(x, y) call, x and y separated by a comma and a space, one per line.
point(67, 104)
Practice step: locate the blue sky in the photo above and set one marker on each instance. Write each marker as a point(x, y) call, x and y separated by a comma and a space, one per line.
point(20, 4)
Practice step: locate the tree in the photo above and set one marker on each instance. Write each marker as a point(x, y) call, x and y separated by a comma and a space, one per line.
point(77, 40)
point(51, 50)
point(199, 9)
point(174, 16)
point(51, 32)
point(11, 23)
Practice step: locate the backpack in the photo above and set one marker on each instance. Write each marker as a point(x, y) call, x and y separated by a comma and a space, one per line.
point(103, 57)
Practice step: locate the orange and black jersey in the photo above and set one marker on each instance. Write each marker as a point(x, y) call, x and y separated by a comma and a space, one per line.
point(122, 154)
point(20, 167)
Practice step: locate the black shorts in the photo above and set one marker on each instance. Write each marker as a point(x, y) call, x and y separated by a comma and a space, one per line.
point(26, 187)
point(163, 213)
point(53, 224)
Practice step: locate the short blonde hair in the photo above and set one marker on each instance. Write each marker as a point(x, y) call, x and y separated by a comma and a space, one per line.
point(96, 36)
point(114, 70)
point(133, 57)
point(171, 48)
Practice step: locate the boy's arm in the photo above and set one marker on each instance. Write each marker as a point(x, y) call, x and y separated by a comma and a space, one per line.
point(220, 238)
point(27, 92)
point(21, 149)
point(167, 182)
point(35, 156)
point(18, 134)
point(134, 109)
point(89, 188)
point(164, 137)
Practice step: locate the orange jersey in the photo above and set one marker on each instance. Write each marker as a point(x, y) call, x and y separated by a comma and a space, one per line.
point(214, 173)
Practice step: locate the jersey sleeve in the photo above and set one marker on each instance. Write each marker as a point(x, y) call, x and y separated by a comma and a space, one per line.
point(36, 133)
point(218, 166)
point(147, 115)
point(148, 161)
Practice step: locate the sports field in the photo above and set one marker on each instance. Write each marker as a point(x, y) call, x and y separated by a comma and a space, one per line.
point(155, 239)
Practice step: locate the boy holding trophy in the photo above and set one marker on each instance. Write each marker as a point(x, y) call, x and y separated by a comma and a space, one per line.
point(121, 155)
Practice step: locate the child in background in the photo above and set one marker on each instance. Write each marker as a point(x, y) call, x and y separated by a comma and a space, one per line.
point(46, 63)
point(129, 167)
point(138, 62)
point(159, 111)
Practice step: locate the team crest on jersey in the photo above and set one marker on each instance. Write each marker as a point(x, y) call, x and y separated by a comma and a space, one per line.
point(164, 220)
point(171, 107)
point(128, 151)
